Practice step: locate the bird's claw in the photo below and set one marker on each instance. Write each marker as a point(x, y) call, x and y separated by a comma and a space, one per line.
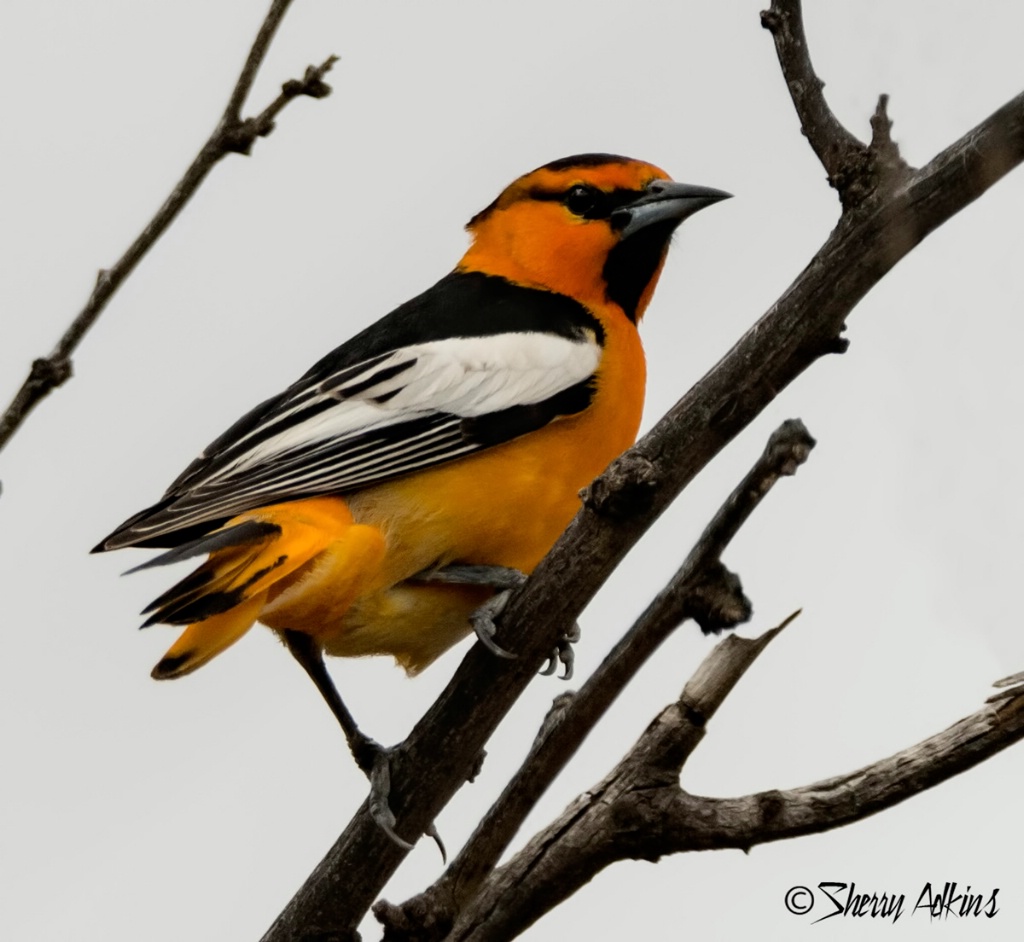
point(505, 580)
point(432, 832)
point(482, 621)
point(502, 578)
point(563, 654)
point(380, 791)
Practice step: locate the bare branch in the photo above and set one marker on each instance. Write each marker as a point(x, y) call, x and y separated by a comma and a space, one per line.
point(803, 325)
point(703, 590)
point(854, 169)
point(640, 812)
point(830, 803)
point(258, 52)
point(1007, 687)
point(582, 840)
point(720, 671)
point(232, 135)
point(829, 139)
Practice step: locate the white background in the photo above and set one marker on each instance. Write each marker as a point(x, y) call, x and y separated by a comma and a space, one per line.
point(133, 810)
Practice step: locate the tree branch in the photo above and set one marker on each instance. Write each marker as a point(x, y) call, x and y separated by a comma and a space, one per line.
point(803, 325)
point(703, 590)
point(232, 135)
point(582, 840)
point(639, 811)
point(830, 803)
point(854, 169)
point(258, 52)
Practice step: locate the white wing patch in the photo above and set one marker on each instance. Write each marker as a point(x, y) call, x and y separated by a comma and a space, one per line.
point(470, 376)
point(463, 377)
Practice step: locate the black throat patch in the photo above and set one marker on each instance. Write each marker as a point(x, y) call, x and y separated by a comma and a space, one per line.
point(631, 265)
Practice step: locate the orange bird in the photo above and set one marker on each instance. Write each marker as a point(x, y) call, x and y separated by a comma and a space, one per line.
point(381, 499)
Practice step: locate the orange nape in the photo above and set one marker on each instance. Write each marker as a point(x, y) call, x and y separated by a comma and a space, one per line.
point(255, 559)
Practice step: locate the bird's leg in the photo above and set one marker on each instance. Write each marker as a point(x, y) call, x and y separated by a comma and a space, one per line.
point(371, 757)
point(494, 577)
point(306, 651)
point(505, 580)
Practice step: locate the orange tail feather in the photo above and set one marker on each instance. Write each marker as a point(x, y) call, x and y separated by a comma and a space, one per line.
point(250, 555)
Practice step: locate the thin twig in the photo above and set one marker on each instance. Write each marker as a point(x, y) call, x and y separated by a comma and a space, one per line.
point(253, 61)
point(232, 135)
point(828, 137)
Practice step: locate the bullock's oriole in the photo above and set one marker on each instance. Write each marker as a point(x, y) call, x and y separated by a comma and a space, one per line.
point(458, 429)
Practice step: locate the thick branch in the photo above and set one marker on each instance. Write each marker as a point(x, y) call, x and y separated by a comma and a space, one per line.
point(701, 589)
point(804, 324)
point(232, 135)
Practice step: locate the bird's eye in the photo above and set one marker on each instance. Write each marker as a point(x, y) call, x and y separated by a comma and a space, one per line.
point(580, 199)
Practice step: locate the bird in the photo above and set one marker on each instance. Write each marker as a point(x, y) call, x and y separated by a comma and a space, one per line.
point(388, 500)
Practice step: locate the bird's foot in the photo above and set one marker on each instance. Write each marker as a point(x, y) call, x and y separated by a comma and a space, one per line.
point(483, 618)
point(372, 758)
point(375, 762)
point(505, 580)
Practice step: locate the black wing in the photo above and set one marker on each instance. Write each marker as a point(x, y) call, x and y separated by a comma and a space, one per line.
point(470, 363)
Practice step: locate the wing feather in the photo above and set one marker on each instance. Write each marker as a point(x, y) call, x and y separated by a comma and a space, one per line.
point(365, 415)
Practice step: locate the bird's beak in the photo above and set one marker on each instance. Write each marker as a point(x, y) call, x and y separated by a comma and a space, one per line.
point(664, 201)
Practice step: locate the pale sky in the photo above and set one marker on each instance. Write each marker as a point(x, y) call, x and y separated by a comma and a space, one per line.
point(193, 810)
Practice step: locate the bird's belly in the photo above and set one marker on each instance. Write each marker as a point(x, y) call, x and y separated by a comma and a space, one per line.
point(413, 622)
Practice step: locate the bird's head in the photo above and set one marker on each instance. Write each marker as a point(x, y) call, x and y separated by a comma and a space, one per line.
point(594, 226)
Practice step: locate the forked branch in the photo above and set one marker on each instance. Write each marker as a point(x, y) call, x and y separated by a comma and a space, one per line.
point(639, 811)
point(854, 169)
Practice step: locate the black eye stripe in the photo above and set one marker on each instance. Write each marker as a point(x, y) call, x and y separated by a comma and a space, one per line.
point(604, 203)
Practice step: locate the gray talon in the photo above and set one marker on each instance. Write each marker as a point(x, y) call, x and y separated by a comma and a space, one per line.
point(483, 623)
point(568, 658)
point(432, 832)
point(563, 653)
point(501, 578)
point(380, 789)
